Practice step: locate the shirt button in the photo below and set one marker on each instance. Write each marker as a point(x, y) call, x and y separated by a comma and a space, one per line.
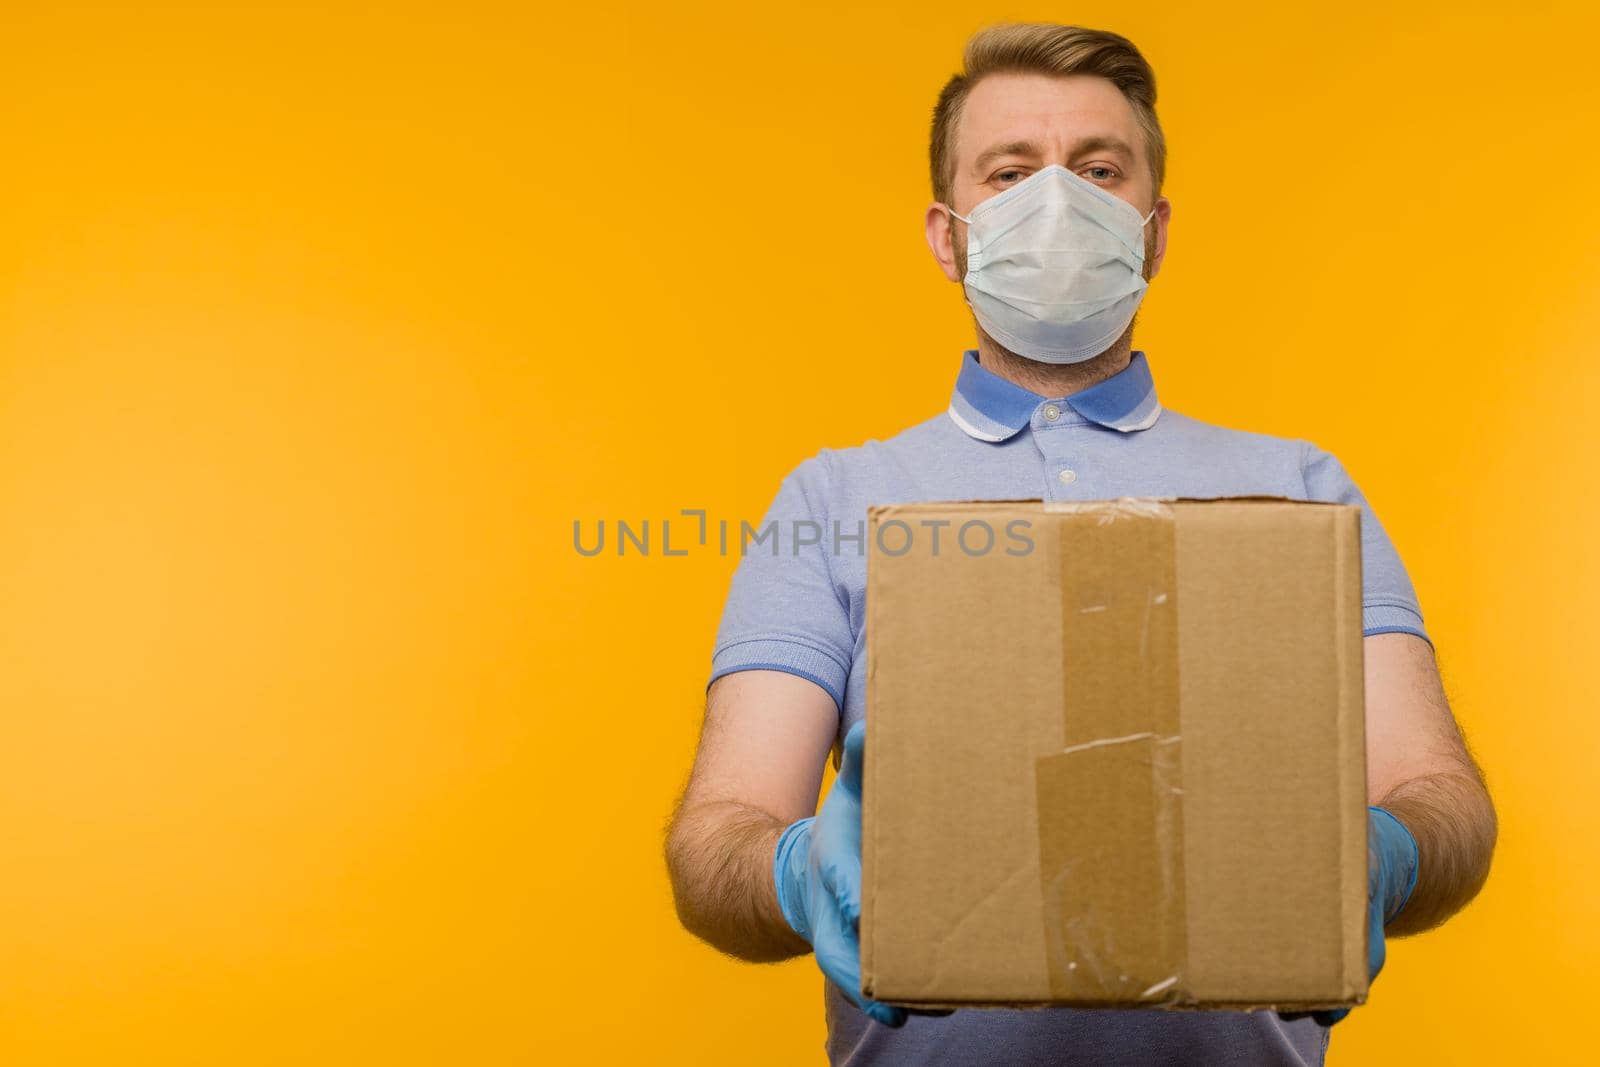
point(1051, 413)
point(1068, 476)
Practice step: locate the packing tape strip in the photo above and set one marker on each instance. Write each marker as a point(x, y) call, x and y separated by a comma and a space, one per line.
point(1110, 802)
point(1113, 508)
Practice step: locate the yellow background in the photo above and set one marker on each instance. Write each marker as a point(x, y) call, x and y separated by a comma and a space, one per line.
point(321, 324)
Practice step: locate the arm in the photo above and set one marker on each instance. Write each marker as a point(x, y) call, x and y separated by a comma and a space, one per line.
point(1420, 771)
point(1418, 766)
point(762, 747)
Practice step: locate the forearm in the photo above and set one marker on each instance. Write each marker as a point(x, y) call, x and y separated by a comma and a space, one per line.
point(719, 857)
point(1453, 820)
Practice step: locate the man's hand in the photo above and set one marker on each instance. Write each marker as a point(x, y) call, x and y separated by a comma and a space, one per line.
point(1392, 863)
point(817, 870)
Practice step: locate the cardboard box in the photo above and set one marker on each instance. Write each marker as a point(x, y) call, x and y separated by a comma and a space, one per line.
point(1115, 755)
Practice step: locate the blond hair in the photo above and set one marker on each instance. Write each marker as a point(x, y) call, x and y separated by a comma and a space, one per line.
point(1046, 48)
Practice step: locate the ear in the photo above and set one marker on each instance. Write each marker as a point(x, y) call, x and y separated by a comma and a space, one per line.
point(943, 231)
point(1163, 216)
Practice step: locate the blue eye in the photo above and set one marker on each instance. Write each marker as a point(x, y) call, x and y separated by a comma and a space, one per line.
point(1109, 173)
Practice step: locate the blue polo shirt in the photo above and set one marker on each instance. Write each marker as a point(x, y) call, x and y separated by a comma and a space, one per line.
point(797, 604)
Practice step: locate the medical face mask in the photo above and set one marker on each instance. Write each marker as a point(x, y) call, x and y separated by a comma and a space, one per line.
point(1055, 266)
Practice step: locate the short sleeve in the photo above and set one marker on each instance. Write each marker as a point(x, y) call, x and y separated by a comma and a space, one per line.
point(1388, 601)
point(784, 611)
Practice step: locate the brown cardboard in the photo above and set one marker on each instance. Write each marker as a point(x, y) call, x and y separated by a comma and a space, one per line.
point(1117, 757)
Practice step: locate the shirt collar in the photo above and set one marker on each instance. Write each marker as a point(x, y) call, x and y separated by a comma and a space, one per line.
point(991, 408)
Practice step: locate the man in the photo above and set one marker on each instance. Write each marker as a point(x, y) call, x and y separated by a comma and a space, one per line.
point(1053, 403)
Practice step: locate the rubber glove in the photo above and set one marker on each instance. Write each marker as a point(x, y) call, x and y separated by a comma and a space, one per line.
point(817, 871)
point(1392, 861)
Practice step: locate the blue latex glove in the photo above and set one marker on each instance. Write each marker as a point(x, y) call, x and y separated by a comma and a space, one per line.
point(1392, 861)
point(817, 871)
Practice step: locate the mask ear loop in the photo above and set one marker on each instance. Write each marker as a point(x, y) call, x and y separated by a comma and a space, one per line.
point(953, 211)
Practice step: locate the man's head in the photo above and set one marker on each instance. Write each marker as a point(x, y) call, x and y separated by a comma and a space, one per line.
point(1034, 94)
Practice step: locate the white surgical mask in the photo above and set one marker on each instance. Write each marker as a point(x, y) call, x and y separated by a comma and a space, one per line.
point(1055, 266)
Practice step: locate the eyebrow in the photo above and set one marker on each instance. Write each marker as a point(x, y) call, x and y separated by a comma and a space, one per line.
point(1029, 148)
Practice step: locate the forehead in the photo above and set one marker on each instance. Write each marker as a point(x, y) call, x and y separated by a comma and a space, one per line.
point(1053, 110)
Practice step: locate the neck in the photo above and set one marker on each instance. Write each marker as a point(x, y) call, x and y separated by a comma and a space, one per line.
point(1055, 379)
